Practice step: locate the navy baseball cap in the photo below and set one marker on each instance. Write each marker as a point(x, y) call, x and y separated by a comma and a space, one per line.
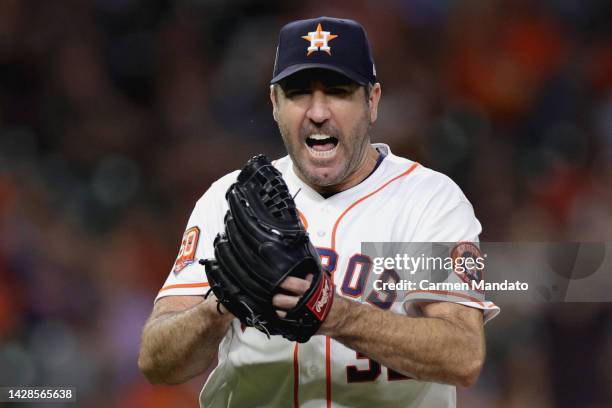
point(337, 44)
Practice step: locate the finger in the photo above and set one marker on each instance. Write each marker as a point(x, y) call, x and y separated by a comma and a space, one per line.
point(309, 278)
point(281, 301)
point(281, 313)
point(296, 285)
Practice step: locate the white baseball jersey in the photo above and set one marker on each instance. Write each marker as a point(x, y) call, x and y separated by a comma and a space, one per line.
point(401, 201)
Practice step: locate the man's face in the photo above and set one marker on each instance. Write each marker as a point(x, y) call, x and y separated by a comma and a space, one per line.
point(324, 119)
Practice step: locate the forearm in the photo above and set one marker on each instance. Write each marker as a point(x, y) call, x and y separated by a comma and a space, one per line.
point(426, 348)
point(177, 346)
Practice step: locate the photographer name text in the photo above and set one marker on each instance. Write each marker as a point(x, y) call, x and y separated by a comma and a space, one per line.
point(451, 286)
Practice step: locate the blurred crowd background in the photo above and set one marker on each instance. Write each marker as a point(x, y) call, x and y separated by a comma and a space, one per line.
point(116, 115)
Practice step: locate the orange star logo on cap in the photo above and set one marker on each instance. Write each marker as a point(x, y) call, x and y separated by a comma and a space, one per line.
point(319, 40)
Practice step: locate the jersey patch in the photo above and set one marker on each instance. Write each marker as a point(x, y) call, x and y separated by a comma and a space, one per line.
point(468, 262)
point(187, 251)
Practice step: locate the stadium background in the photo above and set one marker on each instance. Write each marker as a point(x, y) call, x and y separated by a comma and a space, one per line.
point(116, 115)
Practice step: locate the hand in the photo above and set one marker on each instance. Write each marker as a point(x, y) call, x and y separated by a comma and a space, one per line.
point(295, 288)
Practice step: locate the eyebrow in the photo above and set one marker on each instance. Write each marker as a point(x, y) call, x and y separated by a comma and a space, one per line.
point(309, 83)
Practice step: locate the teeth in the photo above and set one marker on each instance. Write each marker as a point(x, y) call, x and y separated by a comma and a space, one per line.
point(319, 137)
point(323, 154)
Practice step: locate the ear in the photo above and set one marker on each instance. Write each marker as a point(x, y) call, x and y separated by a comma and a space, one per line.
point(274, 103)
point(373, 101)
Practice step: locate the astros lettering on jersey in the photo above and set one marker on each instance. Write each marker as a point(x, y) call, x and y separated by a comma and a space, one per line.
point(401, 201)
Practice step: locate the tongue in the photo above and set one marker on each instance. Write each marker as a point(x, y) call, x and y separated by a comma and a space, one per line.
point(323, 147)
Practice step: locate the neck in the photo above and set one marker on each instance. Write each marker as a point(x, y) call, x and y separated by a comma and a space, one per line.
point(363, 170)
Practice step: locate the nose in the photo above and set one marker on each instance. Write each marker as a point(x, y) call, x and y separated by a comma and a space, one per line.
point(318, 111)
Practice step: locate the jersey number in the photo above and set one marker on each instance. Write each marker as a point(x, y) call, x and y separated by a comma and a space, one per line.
point(355, 375)
point(354, 284)
point(356, 279)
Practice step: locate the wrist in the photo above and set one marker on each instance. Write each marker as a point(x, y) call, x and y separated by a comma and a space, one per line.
point(216, 311)
point(334, 321)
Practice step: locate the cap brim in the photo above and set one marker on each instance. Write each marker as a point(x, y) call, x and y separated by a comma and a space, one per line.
point(360, 79)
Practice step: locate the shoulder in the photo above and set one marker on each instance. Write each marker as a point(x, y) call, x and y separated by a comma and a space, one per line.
point(429, 205)
point(219, 187)
point(282, 164)
point(434, 183)
point(223, 183)
point(423, 181)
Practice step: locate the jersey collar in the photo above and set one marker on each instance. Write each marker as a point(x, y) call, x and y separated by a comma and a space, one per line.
point(366, 185)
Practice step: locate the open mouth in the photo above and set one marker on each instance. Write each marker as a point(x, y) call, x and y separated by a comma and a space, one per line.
point(322, 145)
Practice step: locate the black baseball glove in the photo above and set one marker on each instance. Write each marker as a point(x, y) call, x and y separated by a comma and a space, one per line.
point(264, 243)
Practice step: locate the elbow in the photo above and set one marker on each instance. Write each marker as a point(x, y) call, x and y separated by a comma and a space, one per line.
point(148, 369)
point(155, 374)
point(470, 371)
point(469, 377)
point(150, 364)
point(152, 372)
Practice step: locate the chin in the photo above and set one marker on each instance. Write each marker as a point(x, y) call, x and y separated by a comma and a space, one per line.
point(321, 173)
point(322, 177)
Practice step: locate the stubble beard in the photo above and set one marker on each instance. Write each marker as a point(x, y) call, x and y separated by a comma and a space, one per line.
point(295, 148)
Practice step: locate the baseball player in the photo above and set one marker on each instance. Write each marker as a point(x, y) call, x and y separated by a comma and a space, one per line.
point(378, 352)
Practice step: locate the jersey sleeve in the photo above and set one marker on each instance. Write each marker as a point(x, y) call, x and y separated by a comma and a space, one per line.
point(187, 276)
point(448, 217)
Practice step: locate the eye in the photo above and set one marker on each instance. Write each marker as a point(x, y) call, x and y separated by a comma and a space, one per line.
point(338, 91)
point(292, 93)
